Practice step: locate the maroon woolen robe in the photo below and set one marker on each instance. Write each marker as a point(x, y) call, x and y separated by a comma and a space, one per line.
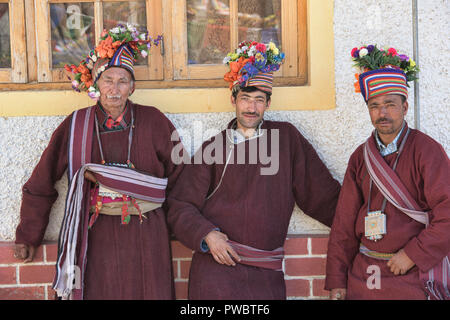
point(250, 208)
point(123, 261)
point(423, 167)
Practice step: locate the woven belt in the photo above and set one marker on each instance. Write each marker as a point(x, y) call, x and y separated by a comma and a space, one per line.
point(374, 254)
point(250, 256)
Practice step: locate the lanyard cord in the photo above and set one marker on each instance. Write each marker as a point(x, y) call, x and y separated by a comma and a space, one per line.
point(383, 206)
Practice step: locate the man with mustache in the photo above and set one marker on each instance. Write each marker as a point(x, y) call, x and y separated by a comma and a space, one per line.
point(390, 236)
point(234, 211)
point(114, 242)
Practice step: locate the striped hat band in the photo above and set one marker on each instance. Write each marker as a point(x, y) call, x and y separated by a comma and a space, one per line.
point(379, 82)
point(123, 58)
point(262, 81)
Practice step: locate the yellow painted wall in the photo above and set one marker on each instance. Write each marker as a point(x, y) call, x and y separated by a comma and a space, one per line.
point(318, 94)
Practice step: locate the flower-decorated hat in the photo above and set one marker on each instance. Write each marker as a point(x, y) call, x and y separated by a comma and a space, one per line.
point(383, 71)
point(118, 47)
point(253, 64)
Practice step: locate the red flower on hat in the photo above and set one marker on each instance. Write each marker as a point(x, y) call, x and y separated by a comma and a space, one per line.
point(235, 67)
point(71, 68)
point(106, 48)
point(87, 79)
point(82, 69)
point(356, 84)
point(392, 51)
point(86, 76)
point(261, 47)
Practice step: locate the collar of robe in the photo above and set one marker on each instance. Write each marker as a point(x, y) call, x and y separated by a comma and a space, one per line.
point(394, 145)
point(391, 147)
point(235, 136)
point(130, 136)
point(109, 124)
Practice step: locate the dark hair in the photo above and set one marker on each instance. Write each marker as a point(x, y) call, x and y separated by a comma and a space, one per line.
point(236, 90)
point(401, 96)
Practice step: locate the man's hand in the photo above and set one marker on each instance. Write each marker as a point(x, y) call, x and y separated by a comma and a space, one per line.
point(400, 263)
point(220, 248)
point(338, 294)
point(24, 252)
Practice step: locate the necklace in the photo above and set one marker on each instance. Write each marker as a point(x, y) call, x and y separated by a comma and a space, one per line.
point(130, 140)
point(105, 192)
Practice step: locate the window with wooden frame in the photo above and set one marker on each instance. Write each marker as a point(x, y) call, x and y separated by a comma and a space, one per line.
point(185, 73)
point(66, 31)
point(13, 62)
point(197, 36)
point(205, 31)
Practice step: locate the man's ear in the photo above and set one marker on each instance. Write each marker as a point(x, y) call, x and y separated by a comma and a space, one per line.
point(133, 87)
point(233, 101)
point(405, 107)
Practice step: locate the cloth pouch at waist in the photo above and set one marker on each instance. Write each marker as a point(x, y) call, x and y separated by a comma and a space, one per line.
point(115, 208)
point(112, 203)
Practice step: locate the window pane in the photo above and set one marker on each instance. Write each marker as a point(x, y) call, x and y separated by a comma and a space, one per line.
point(132, 12)
point(208, 31)
point(72, 32)
point(5, 48)
point(260, 21)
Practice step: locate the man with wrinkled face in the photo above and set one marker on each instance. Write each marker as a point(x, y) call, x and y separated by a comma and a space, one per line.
point(123, 249)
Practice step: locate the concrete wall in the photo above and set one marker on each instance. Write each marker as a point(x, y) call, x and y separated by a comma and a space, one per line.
point(334, 133)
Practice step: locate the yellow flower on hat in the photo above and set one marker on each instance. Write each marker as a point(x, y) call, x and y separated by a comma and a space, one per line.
point(273, 47)
point(412, 63)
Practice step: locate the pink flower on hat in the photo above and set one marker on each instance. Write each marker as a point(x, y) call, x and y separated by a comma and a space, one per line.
point(261, 47)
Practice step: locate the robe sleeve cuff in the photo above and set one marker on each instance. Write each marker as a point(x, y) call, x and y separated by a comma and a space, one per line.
point(25, 237)
point(335, 282)
point(419, 256)
point(203, 245)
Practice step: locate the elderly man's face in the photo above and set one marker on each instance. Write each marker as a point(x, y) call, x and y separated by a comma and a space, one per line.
point(115, 85)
